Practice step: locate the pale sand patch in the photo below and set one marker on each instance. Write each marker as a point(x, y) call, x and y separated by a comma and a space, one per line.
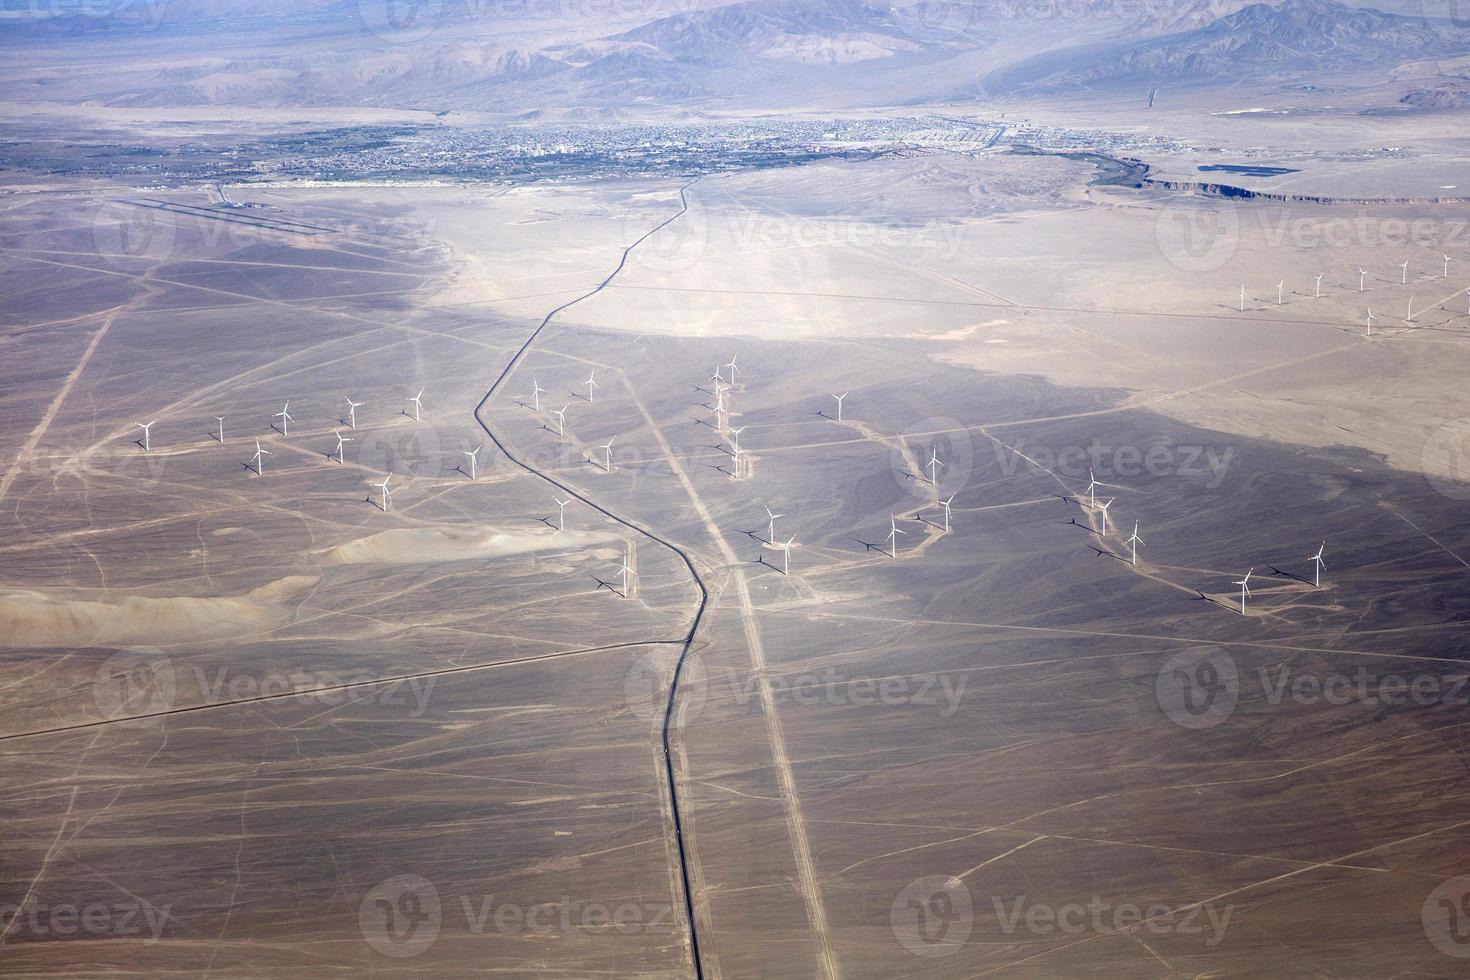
point(32, 619)
point(406, 546)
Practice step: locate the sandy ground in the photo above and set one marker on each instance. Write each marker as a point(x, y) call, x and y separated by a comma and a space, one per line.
point(909, 756)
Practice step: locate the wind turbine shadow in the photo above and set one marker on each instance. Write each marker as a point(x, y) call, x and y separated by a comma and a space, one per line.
point(869, 546)
point(1277, 571)
point(216, 438)
point(1084, 527)
point(702, 422)
point(549, 523)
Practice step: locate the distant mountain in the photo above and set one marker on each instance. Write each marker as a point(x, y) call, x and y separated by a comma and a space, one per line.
point(1295, 37)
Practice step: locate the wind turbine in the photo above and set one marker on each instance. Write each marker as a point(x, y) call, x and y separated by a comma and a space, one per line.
point(1446, 266)
point(945, 504)
point(352, 408)
point(1370, 321)
point(1104, 509)
point(771, 525)
point(1280, 288)
point(1134, 542)
point(1404, 276)
point(733, 369)
point(221, 420)
point(1242, 299)
point(1091, 490)
point(387, 497)
point(340, 441)
point(717, 376)
point(1410, 317)
point(1319, 286)
point(1245, 590)
point(145, 426)
point(934, 465)
point(561, 419)
point(1362, 275)
point(740, 463)
point(474, 455)
point(591, 383)
point(735, 437)
point(839, 404)
point(607, 455)
point(285, 416)
point(1320, 564)
point(561, 519)
point(893, 533)
point(627, 570)
point(786, 555)
point(257, 460)
point(418, 404)
point(536, 391)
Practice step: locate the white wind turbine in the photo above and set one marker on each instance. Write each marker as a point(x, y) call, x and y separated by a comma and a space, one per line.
point(771, 525)
point(591, 384)
point(1242, 299)
point(285, 416)
point(627, 570)
point(606, 448)
point(1404, 275)
point(1134, 541)
point(945, 504)
point(147, 441)
point(418, 404)
point(221, 420)
point(740, 463)
point(561, 518)
point(258, 459)
point(536, 391)
point(1245, 589)
point(934, 465)
point(1410, 317)
point(1319, 286)
point(387, 497)
point(561, 419)
point(1319, 564)
point(893, 533)
point(1091, 490)
point(1446, 265)
point(340, 440)
point(474, 457)
point(352, 408)
point(1280, 290)
point(1370, 321)
point(839, 404)
point(1104, 509)
point(733, 369)
point(734, 435)
point(786, 554)
point(1362, 275)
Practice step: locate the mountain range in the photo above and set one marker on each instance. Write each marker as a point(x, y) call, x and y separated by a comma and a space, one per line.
point(696, 55)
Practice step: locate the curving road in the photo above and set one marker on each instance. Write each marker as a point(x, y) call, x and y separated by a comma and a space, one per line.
point(688, 641)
